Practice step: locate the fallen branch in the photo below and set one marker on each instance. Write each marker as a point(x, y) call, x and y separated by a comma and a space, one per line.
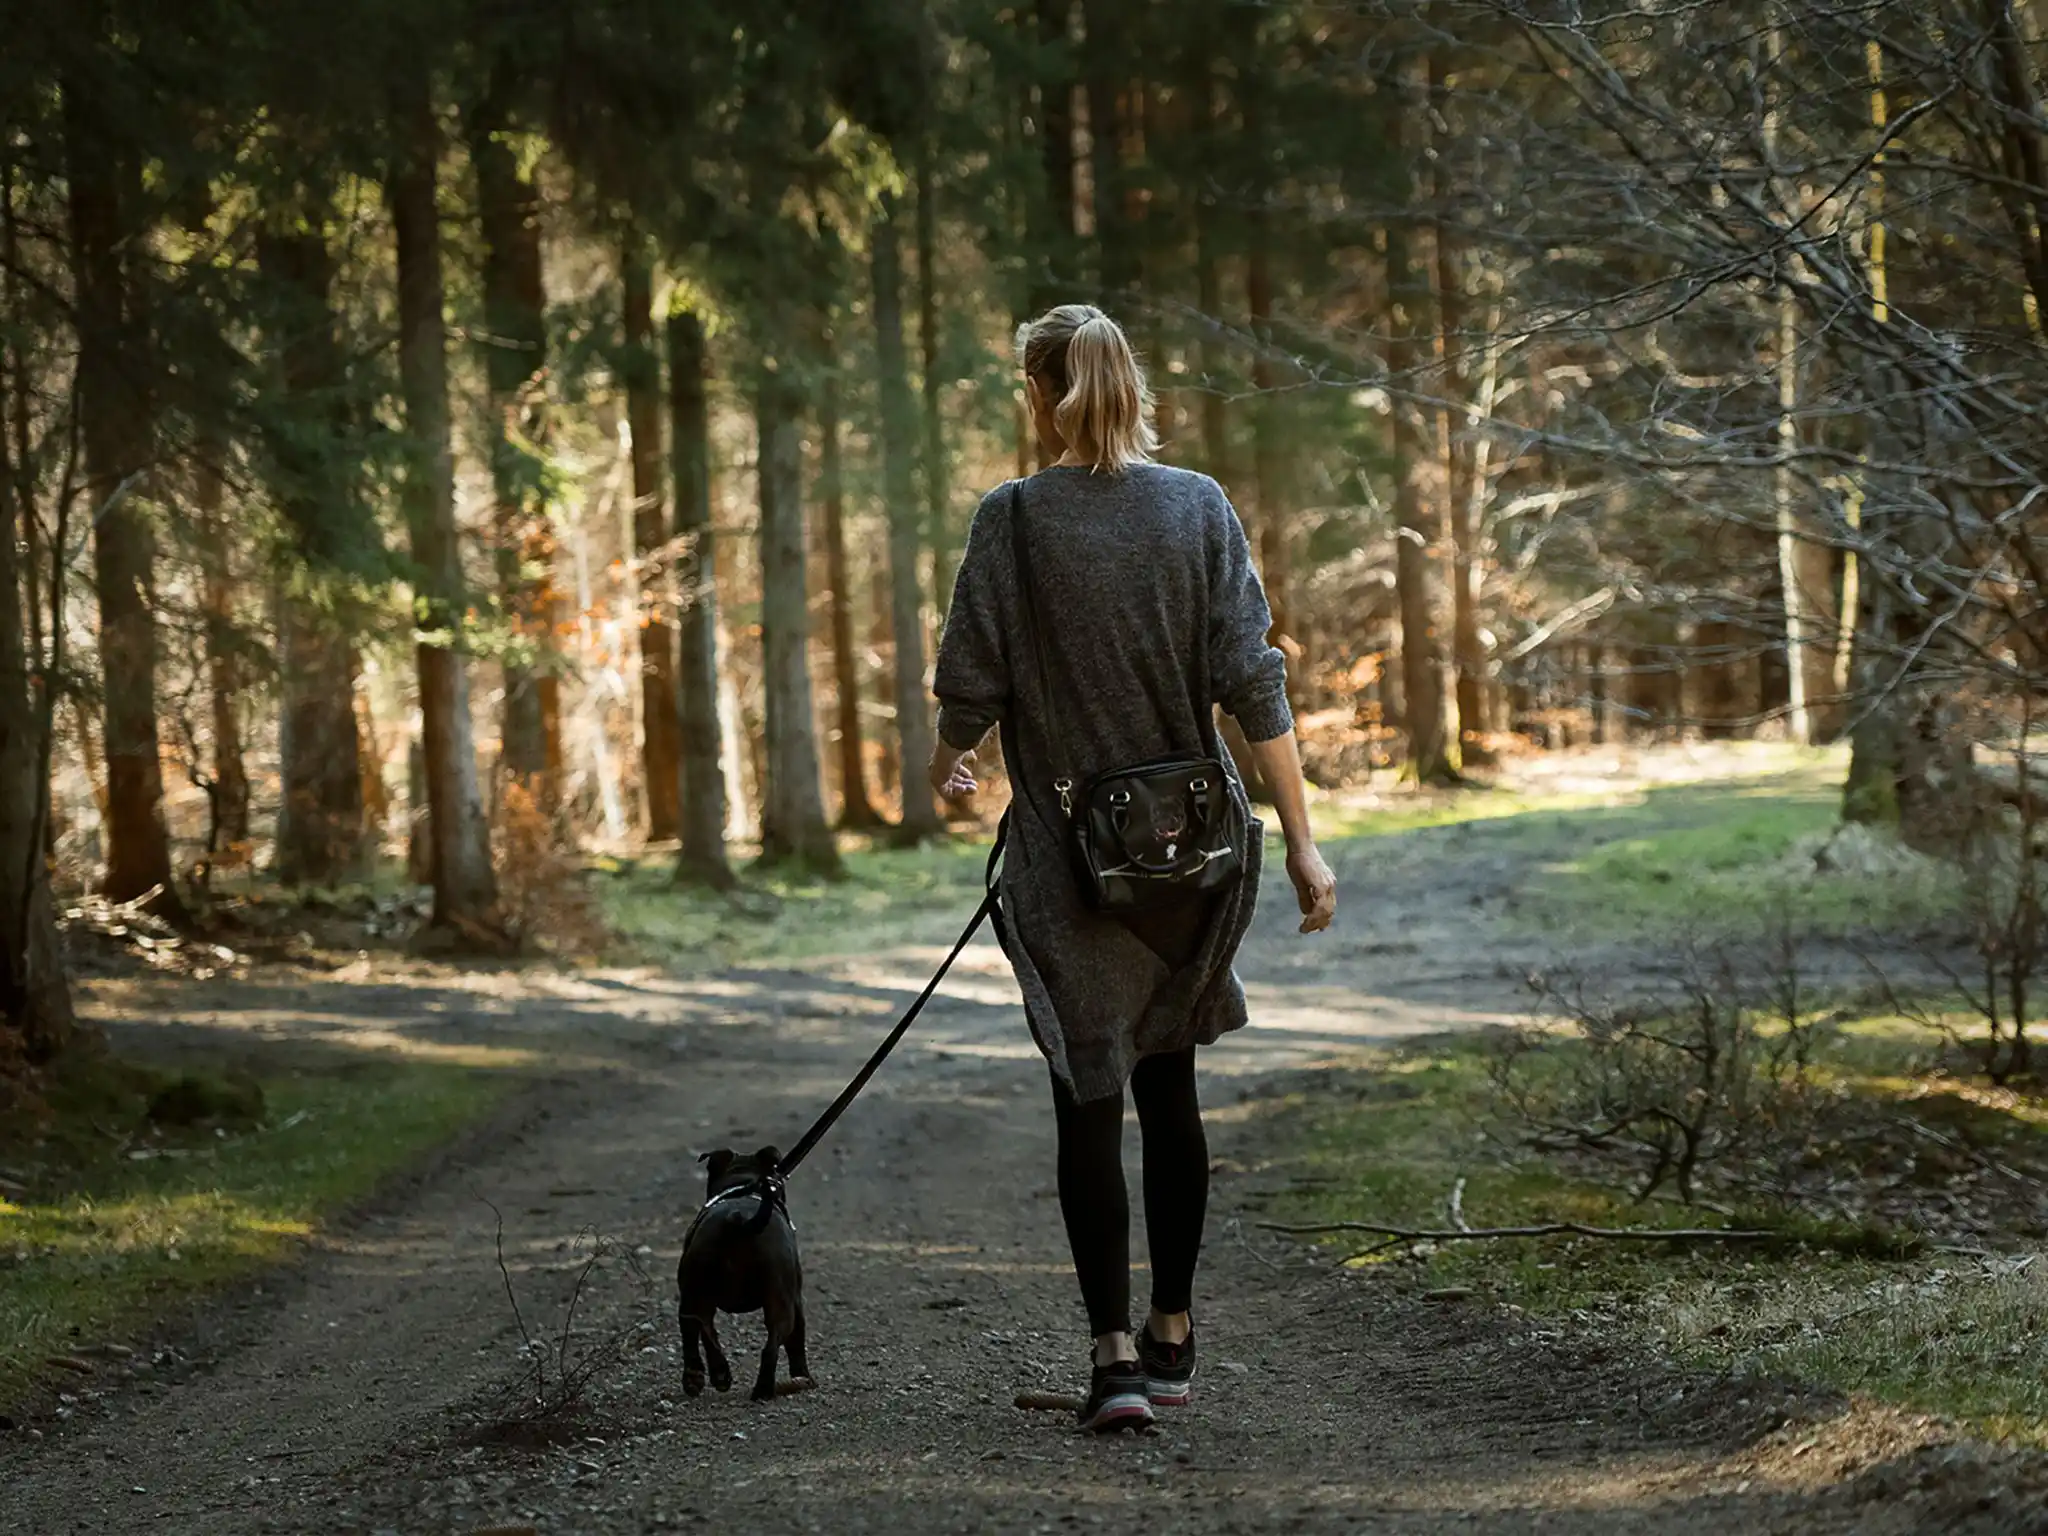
point(1547, 1229)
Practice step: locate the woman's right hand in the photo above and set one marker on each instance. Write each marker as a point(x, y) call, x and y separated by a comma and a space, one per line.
point(1314, 886)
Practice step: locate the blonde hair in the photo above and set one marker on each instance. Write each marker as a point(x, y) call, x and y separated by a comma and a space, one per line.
point(1083, 362)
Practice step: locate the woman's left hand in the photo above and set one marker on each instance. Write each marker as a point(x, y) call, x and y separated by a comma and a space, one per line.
point(952, 773)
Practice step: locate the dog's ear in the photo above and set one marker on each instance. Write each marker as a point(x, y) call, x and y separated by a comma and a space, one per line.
point(768, 1157)
point(717, 1162)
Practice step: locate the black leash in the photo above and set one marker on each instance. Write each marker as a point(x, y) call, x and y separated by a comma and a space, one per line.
point(990, 908)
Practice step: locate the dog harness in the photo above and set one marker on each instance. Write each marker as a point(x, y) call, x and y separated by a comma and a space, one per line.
point(768, 1188)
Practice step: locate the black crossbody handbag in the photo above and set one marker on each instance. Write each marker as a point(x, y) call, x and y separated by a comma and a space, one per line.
point(1152, 835)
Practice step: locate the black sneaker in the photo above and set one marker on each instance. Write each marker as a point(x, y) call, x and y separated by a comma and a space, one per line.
point(1169, 1369)
point(1116, 1399)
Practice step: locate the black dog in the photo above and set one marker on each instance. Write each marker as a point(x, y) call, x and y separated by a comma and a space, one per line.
point(740, 1256)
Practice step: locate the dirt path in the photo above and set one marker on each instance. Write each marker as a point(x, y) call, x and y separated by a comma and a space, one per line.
point(346, 1397)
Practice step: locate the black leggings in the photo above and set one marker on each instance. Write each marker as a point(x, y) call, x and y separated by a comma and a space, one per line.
point(1097, 1207)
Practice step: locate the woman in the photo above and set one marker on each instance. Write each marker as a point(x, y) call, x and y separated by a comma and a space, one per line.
point(1149, 612)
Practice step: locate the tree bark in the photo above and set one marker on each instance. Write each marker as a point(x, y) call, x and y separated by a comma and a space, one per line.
point(1207, 116)
point(938, 486)
point(1269, 452)
point(1461, 467)
point(515, 363)
point(1110, 118)
point(914, 729)
point(856, 810)
point(116, 426)
point(660, 734)
point(35, 994)
point(701, 791)
point(229, 792)
point(321, 834)
point(465, 886)
point(1418, 555)
point(793, 828)
point(1052, 279)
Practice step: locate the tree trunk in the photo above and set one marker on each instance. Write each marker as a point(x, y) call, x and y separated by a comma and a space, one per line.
point(117, 432)
point(882, 635)
point(1870, 794)
point(701, 790)
point(660, 733)
point(1717, 673)
point(1269, 452)
point(35, 995)
point(1805, 566)
point(465, 887)
point(515, 361)
point(1052, 278)
point(1110, 118)
point(1461, 467)
point(938, 487)
point(321, 836)
point(229, 792)
point(913, 707)
point(1418, 554)
point(793, 825)
point(856, 810)
point(1207, 114)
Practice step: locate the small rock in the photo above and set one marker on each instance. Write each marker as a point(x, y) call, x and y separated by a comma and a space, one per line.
point(1448, 1293)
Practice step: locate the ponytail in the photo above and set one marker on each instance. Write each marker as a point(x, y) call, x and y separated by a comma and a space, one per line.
point(1083, 361)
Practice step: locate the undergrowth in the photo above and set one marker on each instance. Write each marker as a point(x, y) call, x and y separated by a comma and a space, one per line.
point(1843, 1298)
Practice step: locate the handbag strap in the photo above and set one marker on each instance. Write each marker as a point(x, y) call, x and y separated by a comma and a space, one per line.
point(1020, 548)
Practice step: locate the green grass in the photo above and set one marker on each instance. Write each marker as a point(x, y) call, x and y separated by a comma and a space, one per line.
point(1724, 854)
point(1719, 854)
point(119, 1226)
point(1725, 857)
point(887, 896)
point(1711, 859)
point(1343, 817)
point(1934, 1333)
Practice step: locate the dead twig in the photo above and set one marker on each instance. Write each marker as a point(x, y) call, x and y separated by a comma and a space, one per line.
point(1237, 1231)
point(1545, 1229)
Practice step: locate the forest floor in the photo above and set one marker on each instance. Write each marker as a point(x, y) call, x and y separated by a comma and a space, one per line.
point(367, 1388)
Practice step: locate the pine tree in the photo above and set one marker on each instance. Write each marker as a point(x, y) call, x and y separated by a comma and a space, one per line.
point(515, 369)
point(115, 366)
point(465, 886)
point(701, 858)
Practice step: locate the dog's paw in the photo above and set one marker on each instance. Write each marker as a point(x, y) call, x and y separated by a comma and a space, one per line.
point(721, 1376)
point(764, 1392)
point(693, 1383)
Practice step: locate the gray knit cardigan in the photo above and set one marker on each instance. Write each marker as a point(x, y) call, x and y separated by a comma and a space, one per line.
point(1151, 613)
